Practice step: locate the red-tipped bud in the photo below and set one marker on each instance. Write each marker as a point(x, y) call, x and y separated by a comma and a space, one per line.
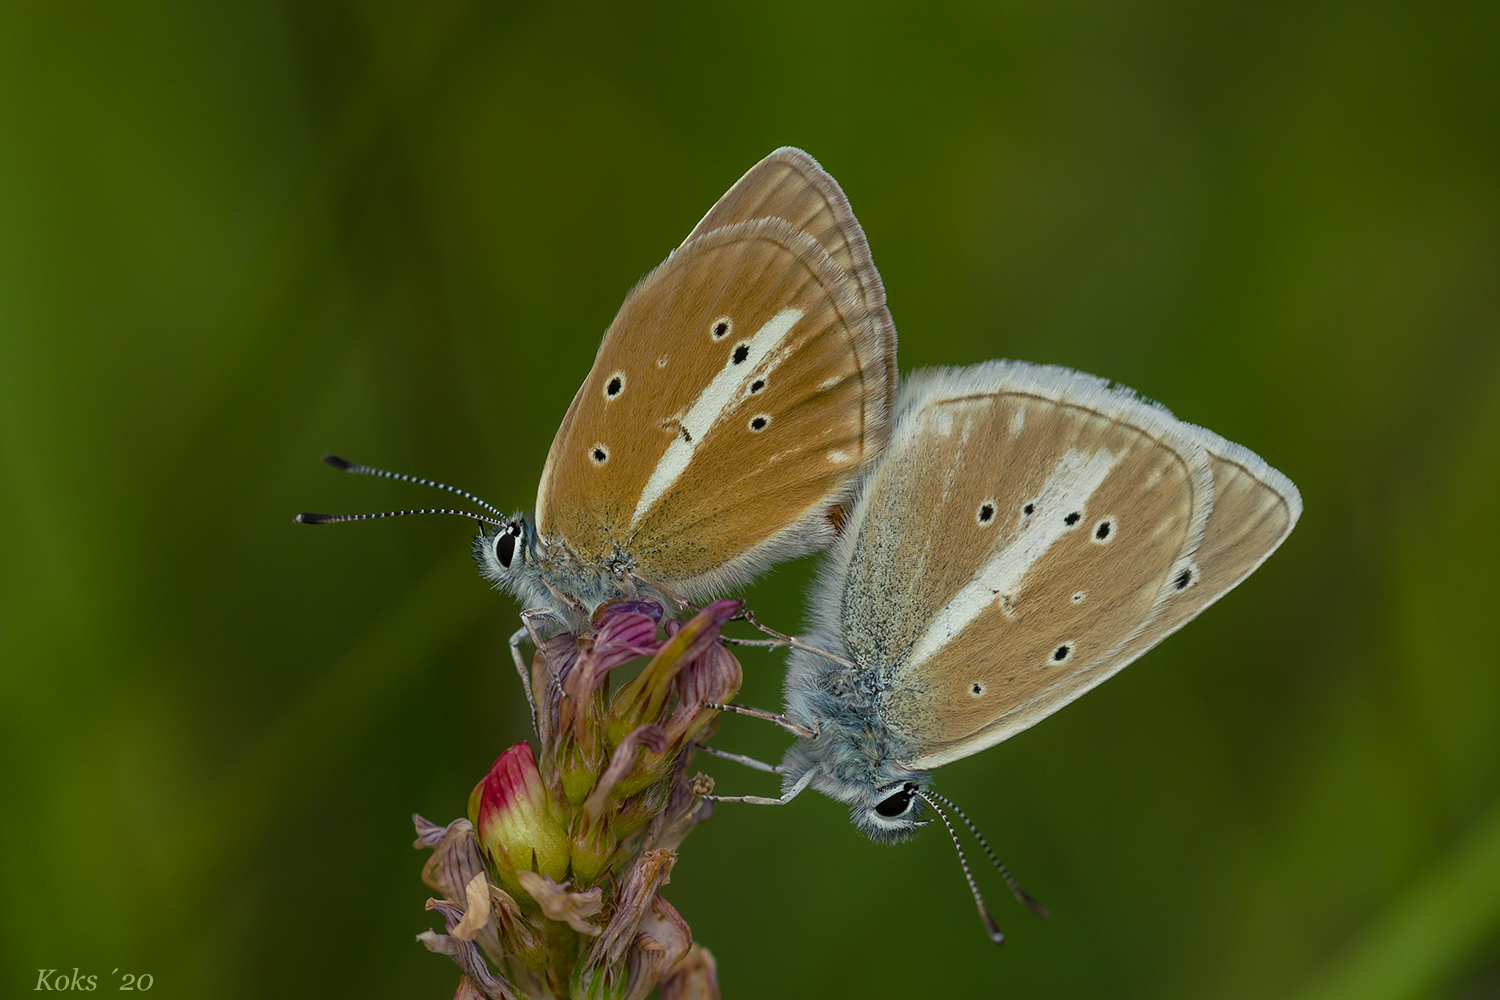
point(513, 817)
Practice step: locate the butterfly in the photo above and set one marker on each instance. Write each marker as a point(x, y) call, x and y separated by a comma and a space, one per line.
point(744, 384)
point(1028, 532)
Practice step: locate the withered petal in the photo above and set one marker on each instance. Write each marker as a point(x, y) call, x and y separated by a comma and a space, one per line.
point(429, 834)
point(650, 871)
point(477, 912)
point(715, 676)
point(454, 862)
point(467, 990)
point(668, 929)
point(684, 810)
point(695, 977)
point(622, 606)
point(644, 966)
point(558, 903)
point(469, 960)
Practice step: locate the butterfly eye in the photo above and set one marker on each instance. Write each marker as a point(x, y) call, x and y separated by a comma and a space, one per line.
point(895, 805)
point(505, 548)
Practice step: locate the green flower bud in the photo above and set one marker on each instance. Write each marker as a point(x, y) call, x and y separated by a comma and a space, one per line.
point(514, 819)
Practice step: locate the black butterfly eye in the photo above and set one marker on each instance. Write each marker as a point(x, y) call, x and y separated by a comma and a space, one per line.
point(895, 805)
point(505, 548)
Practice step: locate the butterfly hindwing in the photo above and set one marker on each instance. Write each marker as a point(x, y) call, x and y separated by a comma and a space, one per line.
point(1027, 534)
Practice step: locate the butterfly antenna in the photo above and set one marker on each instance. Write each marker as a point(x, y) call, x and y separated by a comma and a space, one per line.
point(1025, 897)
point(344, 465)
point(336, 518)
point(990, 927)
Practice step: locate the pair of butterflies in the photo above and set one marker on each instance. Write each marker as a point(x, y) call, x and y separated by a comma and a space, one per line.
point(1003, 537)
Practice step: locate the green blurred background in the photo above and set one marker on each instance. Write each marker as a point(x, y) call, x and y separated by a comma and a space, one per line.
point(233, 236)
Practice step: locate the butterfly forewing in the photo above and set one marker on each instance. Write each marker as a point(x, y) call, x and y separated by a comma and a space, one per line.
point(735, 395)
point(790, 185)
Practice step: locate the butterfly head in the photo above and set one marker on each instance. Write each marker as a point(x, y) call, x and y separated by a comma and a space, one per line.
point(508, 555)
point(884, 797)
point(890, 813)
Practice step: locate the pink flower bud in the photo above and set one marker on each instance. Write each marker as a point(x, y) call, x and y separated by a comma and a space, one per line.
point(513, 815)
point(644, 700)
point(712, 678)
point(627, 631)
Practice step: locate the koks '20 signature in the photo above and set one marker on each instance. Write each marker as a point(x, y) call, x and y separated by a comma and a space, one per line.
point(55, 980)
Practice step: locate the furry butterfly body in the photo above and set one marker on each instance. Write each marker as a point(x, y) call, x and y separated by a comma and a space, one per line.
point(1028, 533)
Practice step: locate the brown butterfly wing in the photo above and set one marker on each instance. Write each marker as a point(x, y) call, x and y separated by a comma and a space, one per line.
point(1001, 623)
point(737, 392)
point(790, 185)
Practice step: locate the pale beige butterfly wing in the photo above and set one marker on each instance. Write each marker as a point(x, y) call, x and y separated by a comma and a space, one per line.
point(1254, 508)
point(981, 624)
point(743, 384)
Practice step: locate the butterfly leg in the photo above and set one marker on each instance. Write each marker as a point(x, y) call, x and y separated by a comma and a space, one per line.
point(517, 637)
point(529, 620)
point(780, 639)
point(794, 728)
point(765, 800)
point(759, 765)
point(683, 604)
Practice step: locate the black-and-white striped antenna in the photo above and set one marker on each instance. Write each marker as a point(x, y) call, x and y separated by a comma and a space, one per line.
point(336, 518)
point(990, 927)
point(1021, 895)
point(364, 470)
point(344, 465)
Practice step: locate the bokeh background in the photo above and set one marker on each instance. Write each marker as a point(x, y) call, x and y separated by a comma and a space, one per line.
point(233, 236)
